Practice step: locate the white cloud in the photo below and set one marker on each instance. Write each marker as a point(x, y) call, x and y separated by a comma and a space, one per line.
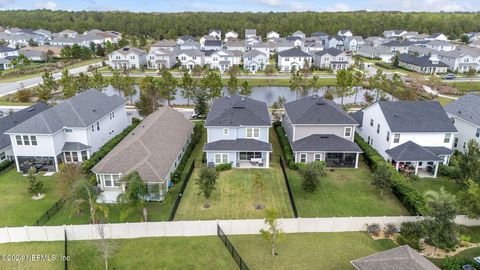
point(339, 7)
point(46, 5)
point(426, 5)
point(273, 3)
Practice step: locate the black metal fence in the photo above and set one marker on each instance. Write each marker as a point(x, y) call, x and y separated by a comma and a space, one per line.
point(65, 260)
point(231, 249)
point(182, 190)
point(290, 194)
point(50, 213)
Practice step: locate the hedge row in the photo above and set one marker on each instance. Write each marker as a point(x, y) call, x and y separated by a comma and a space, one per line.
point(287, 149)
point(106, 148)
point(5, 165)
point(413, 201)
point(195, 138)
point(384, 65)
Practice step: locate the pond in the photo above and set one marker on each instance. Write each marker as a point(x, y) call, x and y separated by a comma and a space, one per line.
point(271, 94)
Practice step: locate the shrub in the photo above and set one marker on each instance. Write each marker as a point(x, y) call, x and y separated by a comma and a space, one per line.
point(373, 229)
point(194, 139)
point(287, 149)
point(5, 165)
point(384, 65)
point(105, 149)
point(223, 167)
point(449, 171)
point(457, 262)
point(413, 201)
point(311, 174)
point(410, 234)
point(390, 229)
point(465, 238)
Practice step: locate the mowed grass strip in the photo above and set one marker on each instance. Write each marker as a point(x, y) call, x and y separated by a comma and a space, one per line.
point(235, 196)
point(142, 253)
point(308, 250)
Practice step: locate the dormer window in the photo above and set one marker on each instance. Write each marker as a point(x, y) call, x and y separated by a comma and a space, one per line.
point(68, 130)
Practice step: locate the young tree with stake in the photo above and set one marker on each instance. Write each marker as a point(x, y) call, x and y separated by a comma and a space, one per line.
point(274, 234)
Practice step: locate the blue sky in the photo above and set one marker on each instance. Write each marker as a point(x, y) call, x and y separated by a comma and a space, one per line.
point(244, 5)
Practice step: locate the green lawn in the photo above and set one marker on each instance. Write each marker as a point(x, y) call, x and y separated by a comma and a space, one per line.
point(235, 196)
point(444, 101)
point(308, 250)
point(430, 184)
point(142, 253)
point(17, 207)
point(466, 86)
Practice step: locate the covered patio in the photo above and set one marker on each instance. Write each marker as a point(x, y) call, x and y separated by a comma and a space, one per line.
point(413, 159)
point(241, 153)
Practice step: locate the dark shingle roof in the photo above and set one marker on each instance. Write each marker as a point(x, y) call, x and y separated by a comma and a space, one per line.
point(411, 151)
point(213, 43)
point(6, 49)
point(466, 108)
point(399, 258)
point(81, 110)
point(423, 61)
point(439, 150)
point(17, 118)
point(238, 145)
point(319, 34)
point(294, 52)
point(316, 110)
point(74, 146)
point(416, 116)
point(358, 116)
point(238, 111)
point(325, 142)
point(331, 51)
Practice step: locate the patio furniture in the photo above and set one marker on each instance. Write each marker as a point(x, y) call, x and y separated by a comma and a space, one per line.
point(255, 161)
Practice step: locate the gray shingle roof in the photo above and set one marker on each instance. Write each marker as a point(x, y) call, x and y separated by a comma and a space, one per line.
point(439, 150)
point(74, 146)
point(238, 145)
point(358, 116)
point(151, 148)
point(399, 258)
point(6, 49)
point(126, 50)
point(81, 110)
point(423, 61)
point(238, 111)
point(466, 108)
point(331, 51)
point(411, 151)
point(416, 116)
point(316, 110)
point(213, 43)
point(17, 118)
point(254, 53)
point(294, 52)
point(325, 143)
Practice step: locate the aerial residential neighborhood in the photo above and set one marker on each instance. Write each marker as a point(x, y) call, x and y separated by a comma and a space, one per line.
point(250, 135)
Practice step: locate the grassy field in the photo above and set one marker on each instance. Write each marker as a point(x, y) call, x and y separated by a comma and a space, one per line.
point(444, 101)
point(466, 86)
point(326, 251)
point(143, 253)
point(17, 207)
point(426, 184)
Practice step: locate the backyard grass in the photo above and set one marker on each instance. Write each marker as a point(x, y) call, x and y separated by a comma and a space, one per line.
point(426, 184)
point(308, 250)
point(142, 253)
point(17, 208)
point(466, 86)
point(235, 196)
point(444, 101)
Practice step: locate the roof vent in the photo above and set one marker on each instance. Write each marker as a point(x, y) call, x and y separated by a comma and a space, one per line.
point(324, 136)
point(126, 49)
point(94, 110)
point(30, 109)
point(396, 115)
point(460, 112)
point(320, 103)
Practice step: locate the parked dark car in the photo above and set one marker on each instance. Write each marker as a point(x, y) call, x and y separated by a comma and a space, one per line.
point(468, 267)
point(449, 77)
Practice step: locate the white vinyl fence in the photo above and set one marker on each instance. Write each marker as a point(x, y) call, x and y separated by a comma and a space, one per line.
point(201, 228)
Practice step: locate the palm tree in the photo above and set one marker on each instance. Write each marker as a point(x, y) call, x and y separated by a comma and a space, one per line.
point(134, 197)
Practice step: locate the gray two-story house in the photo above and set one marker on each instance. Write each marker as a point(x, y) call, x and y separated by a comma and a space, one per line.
point(319, 130)
point(237, 133)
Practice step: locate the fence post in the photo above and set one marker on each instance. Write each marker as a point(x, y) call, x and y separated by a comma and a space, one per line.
point(26, 232)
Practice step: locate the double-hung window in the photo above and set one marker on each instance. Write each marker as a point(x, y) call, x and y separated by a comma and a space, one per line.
point(396, 138)
point(221, 158)
point(388, 136)
point(318, 157)
point(371, 122)
point(348, 132)
point(26, 140)
point(447, 137)
point(378, 128)
point(477, 133)
point(253, 133)
point(303, 158)
point(18, 138)
point(33, 139)
point(226, 131)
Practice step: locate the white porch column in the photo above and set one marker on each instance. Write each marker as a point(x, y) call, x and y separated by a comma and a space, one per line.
point(267, 160)
point(416, 168)
point(16, 163)
point(436, 169)
point(356, 161)
point(56, 163)
point(396, 165)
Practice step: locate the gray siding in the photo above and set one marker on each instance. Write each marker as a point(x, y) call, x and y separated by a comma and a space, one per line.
point(287, 125)
point(216, 133)
point(302, 131)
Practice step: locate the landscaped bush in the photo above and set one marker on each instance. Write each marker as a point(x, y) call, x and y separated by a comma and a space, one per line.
point(410, 234)
point(373, 229)
point(413, 201)
point(449, 171)
point(194, 139)
point(456, 263)
point(389, 229)
point(106, 148)
point(287, 149)
point(223, 167)
point(384, 65)
point(5, 164)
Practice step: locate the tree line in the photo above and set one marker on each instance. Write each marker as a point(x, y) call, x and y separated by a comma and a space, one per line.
point(171, 25)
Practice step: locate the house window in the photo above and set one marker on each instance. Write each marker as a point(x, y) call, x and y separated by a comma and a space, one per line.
point(116, 180)
point(388, 136)
point(98, 125)
point(464, 145)
point(93, 128)
point(226, 131)
point(19, 140)
point(26, 140)
point(303, 158)
point(253, 133)
point(447, 137)
point(371, 122)
point(318, 157)
point(68, 157)
point(108, 180)
point(75, 156)
point(378, 128)
point(33, 139)
point(68, 130)
point(368, 140)
point(221, 158)
point(477, 134)
point(2, 156)
point(84, 155)
point(287, 59)
point(347, 132)
point(455, 143)
point(396, 138)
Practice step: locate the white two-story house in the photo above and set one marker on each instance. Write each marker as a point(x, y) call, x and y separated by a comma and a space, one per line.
point(161, 58)
point(255, 60)
point(190, 58)
point(237, 133)
point(319, 130)
point(415, 136)
point(465, 114)
point(127, 58)
point(332, 58)
point(293, 59)
point(219, 59)
point(70, 132)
